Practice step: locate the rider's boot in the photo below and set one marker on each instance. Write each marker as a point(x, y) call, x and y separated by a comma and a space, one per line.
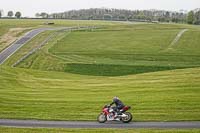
point(116, 115)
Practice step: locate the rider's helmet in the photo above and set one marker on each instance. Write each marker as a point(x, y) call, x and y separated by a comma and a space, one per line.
point(115, 98)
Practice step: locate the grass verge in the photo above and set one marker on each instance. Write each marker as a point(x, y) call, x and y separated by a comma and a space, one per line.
point(43, 130)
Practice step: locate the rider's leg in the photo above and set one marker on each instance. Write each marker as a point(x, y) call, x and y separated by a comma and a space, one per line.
point(118, 110)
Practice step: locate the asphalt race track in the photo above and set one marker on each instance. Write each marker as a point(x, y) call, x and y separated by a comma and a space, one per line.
point(86, 124)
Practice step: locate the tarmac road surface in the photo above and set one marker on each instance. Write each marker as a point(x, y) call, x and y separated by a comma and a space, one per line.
point(87, 124)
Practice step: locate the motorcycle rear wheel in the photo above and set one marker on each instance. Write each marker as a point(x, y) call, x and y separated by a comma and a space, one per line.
point(128, 118)
point(101, 118)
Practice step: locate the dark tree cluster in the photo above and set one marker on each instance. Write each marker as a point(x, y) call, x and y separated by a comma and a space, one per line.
point(193, 17)
point(1, 13)
point(11, 14)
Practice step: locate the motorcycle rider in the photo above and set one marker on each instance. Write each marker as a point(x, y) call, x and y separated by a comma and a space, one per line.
point(118, 105)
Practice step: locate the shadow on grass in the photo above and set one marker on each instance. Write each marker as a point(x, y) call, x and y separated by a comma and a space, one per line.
point(113, 70)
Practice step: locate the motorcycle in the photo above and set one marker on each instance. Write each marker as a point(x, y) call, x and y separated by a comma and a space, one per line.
point(108, 114)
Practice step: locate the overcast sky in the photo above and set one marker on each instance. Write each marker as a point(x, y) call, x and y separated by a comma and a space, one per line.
point(30, 7)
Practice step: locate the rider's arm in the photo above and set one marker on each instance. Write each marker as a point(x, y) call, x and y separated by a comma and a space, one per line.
point(112, 103)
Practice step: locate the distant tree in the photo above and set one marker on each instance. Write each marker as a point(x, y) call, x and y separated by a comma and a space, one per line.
point(190, 17)
point(54, 15)
point(18, 14)
point(44, 15)
point(167, 16)
point(141, 15)
point(10, 13)
point(197, 17)
point(122, 17)
point(161, 19)
point(175, 20)
point(107, 17)
point(1, 13)
point(130, 17)
point(37, 15)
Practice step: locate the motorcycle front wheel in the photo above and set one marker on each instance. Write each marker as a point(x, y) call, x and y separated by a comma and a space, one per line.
point(128, 117)
point(101, 118)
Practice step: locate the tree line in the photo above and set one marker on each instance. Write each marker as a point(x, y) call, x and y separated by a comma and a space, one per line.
point(192, 17)
point(11, 14)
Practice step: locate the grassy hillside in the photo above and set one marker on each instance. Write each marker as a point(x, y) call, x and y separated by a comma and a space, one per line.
point(120, 50)
point(159, 96)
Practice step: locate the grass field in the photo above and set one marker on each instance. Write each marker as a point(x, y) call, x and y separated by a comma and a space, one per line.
point(79, 72)
point(159, 96)
point(120, 50)
point(29, 130)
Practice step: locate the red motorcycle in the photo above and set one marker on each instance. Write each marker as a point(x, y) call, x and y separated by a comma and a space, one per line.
point(108, 114)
